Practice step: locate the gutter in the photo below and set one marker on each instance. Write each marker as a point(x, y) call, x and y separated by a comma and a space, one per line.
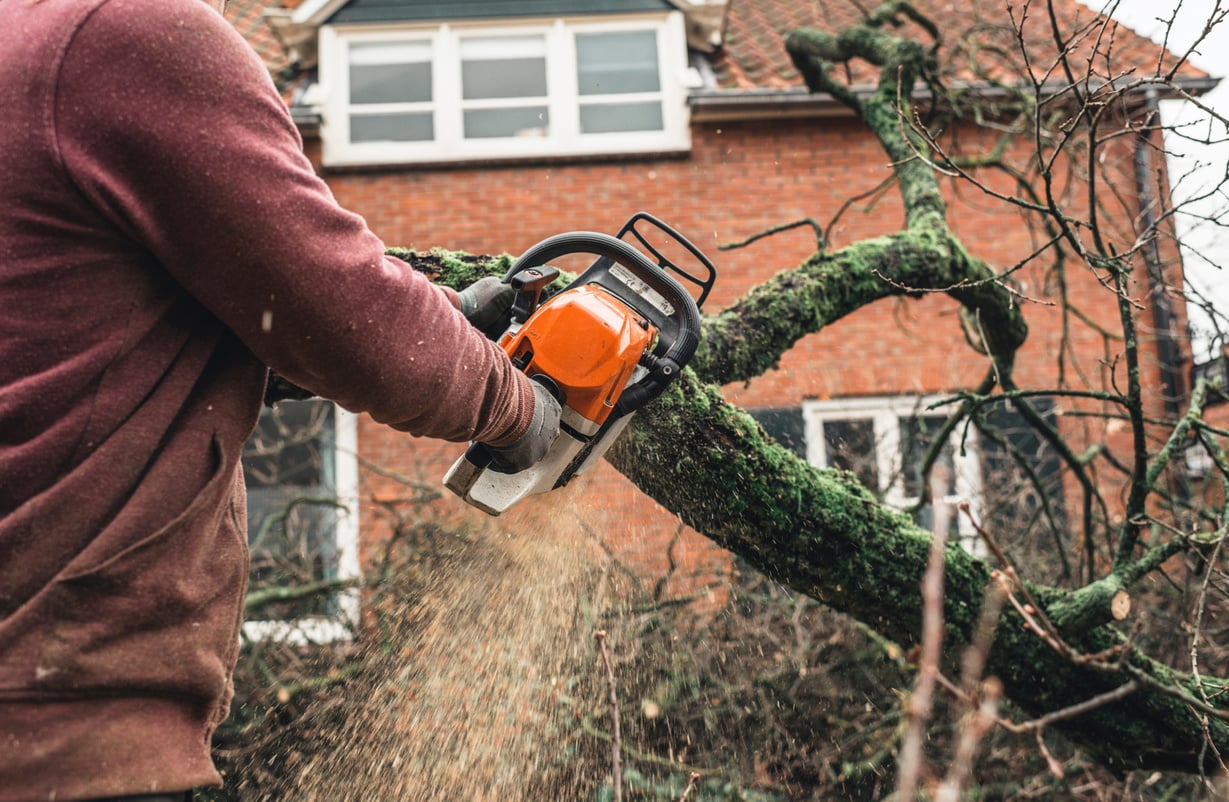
point(715, 104)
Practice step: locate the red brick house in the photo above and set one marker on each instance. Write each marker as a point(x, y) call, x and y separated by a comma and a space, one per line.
point(487, 126)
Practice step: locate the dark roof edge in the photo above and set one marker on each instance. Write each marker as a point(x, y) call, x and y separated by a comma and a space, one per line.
point(723, 104)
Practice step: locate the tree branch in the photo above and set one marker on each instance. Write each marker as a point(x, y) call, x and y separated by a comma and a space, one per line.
point(824, 535)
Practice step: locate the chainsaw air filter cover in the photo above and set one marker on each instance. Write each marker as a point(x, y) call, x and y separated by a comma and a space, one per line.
point(588, 342)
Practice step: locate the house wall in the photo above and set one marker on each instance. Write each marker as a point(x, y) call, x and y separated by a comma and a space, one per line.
point(740, 179)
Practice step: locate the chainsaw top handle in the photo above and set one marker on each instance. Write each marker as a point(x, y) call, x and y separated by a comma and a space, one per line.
point(643, 286)
point(702, 279)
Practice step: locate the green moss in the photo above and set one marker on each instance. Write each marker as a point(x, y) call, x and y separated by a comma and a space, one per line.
point(456, 269)
point(824, 535)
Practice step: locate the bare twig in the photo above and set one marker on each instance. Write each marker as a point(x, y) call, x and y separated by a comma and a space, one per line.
point(922, 697)
point(1088, 705)
point(806, 221)
point(691, 786)
point(263, 597)
point(1201, 607)
point(978, 723)
point(616, 757)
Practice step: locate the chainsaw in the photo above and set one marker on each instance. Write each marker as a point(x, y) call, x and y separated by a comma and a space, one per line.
point(605, 345)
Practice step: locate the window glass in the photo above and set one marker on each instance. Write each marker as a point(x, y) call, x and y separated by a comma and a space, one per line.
point(511, 90)
point(390, 72)
point(1022, 486)
point(849, 445)
point(531, 121)
point(614, 117)
point(503, 67)
point(916, 436)
point(884, 443)
point(407, 127)
point(290, 472)
point(786, 426)
point(617, 63)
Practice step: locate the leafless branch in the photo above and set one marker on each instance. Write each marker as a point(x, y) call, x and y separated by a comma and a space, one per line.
point(921, 698)
point(691, 786)
point(616, 757)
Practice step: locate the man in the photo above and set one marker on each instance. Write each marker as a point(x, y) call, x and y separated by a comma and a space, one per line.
point(162, 240)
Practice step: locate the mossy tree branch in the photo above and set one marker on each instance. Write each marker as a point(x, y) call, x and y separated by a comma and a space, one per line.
point(824, 535)
point(749, 337)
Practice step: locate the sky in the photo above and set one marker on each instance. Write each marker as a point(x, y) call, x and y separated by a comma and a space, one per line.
point(1207, 261)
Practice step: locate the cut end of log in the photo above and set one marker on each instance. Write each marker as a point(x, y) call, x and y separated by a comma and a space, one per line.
point(1120, 605)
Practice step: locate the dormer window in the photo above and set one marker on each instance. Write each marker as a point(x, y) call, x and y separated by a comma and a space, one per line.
point(399, 93)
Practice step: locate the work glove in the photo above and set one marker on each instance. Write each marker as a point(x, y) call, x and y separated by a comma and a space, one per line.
point(487, 305)
point(529, 449)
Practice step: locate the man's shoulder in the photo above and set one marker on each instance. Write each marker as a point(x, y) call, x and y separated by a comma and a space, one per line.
point(71, 17)
point(176, 20)
point(166, 47)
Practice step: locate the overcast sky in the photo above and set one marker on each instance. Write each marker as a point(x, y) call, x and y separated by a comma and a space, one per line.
point(1209, 273)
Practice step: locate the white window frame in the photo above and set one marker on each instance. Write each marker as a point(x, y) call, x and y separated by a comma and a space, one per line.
point(339, 628)
point(886, 412)
point(564, 100)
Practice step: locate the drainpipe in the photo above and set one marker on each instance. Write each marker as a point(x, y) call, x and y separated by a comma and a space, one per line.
point(1168, 348)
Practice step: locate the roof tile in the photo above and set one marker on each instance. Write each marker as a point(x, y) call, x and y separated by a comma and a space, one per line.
point(248, 18)
point(979, 39)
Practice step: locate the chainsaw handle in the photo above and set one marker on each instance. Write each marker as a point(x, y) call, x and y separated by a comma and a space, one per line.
point(682, 342)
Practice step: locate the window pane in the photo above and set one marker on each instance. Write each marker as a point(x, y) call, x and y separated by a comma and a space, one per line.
point(503, 67)
point(617, 63)
point(486, 123)
point(916, 435)
point(407, 127)
point(786, 426)
point(609, 118)
point(949, 522)
point(289, 470)
point(1022, 488)
point(390, 73)
point(850, 446)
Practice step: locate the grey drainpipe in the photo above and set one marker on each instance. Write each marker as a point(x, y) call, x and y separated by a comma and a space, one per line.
point(1173, 386)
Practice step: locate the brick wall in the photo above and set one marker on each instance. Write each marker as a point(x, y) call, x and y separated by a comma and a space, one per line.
point(740, 179)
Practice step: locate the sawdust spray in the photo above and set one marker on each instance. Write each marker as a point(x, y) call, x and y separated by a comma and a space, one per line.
point(474, 697)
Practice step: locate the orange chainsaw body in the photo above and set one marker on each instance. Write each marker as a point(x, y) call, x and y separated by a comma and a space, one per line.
point(588, 342)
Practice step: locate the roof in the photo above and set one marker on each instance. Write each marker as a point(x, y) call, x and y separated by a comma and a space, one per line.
point(753, 56)
point(751, 60)
point(248, 18)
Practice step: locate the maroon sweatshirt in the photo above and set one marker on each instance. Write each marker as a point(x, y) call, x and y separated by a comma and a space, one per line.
point(162, 238)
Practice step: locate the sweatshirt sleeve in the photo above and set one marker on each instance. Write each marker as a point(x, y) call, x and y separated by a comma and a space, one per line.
point(168, 122)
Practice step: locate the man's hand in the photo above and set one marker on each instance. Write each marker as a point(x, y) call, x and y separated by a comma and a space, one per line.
point(487, 304)
point(532, 446)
